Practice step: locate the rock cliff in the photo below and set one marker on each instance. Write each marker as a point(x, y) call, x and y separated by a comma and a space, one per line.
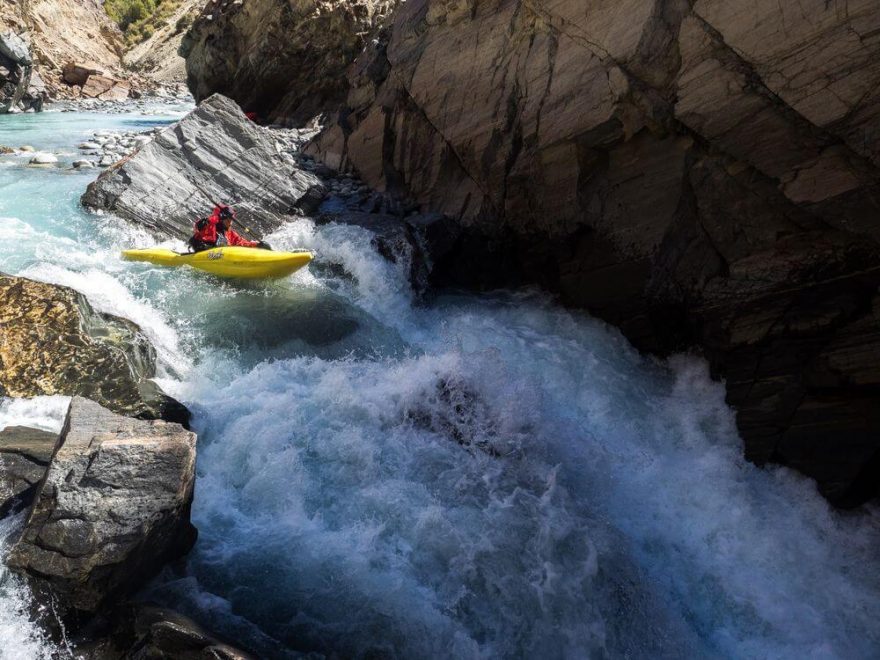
point(112, 508)
point(698, 173)
point(63, 32)
point(53, 342)
point(213, 154)
point(17, 92)
point(284, 60)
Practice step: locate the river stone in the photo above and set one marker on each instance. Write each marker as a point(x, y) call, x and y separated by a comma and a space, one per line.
point(112, 510)
point(83, 164)
point(24, 456)
point(44, 159)
point(53, 342)
point(213, 154)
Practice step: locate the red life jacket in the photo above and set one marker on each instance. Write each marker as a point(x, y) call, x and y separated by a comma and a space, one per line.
point(207, 230)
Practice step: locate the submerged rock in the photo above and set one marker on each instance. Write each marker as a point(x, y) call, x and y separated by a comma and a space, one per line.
point(24, 457)
point(213, 154)
point(53, 342)
point(113, 508)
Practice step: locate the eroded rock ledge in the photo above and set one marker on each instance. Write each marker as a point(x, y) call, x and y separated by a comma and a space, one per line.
point(697, 173)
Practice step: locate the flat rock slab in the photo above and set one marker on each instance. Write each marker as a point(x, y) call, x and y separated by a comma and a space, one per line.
point(214, 154)
point(53, 342)
point(24, 458)
point(113, 508)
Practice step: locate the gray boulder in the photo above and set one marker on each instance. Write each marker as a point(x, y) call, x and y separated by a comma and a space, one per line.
point(214, 154)
point(14, 48)
point(24, 457)
point(113, 508)
point(21, 87)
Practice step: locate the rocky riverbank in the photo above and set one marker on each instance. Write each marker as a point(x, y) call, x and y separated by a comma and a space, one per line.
point(109, 498)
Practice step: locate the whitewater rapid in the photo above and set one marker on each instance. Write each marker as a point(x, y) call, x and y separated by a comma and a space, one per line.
point(471, 477)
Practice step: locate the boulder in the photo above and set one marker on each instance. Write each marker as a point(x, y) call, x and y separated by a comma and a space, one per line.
point(53, 342)
point(78, 74)
point(16, 68)
point(44, 159)
point(24, 457)
point(297, 53)
point(113, 508)
point(105, 88)
point(147, 632)
point(213, 154)
point(697, 173)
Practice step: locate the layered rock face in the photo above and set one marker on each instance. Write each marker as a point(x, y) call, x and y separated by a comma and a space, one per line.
point(17, 93)
point(112, 509)
point(24, 456)
point(698, 173)
point(214, 154)
point(283, 59)
point(53, 342)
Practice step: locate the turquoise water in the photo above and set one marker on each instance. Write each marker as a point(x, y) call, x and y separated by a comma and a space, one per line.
point(484, 476)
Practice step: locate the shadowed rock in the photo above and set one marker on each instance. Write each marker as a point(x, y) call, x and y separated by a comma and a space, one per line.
point(144, 632)
point(113, 508)
point(16, 68)
point(53, 342)
point(213, 154)
point(24, 457)
point(297, 53)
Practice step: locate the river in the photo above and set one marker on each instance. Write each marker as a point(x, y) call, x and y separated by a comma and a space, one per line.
point(476, 477)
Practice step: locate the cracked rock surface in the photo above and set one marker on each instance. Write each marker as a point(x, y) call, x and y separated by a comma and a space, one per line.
point(24, 456)
point(113, 508)
point(53, 342)
point(214, 154)
point(698, 173)
point(283, 60)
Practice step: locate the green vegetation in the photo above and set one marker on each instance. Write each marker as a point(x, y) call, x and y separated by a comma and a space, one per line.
point(138, 19)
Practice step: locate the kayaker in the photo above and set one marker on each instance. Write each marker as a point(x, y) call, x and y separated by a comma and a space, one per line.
point(216, 230)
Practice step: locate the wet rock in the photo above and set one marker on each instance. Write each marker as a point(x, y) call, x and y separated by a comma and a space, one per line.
point(83, 164)
point(146, 632)
point(113, 508)
point(214, 154)
point(24, 457)
point(698, 174)
point(44, 159)
point(297, 53)
point(53, 342)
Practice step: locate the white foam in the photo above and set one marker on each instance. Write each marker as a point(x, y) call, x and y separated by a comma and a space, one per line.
point(40, 412)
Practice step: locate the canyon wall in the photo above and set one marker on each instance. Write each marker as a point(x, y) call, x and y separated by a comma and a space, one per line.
point(696, 173)
point(284, 60)
point(701, 174)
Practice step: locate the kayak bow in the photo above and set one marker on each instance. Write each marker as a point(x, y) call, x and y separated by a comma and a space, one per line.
point(234, 261)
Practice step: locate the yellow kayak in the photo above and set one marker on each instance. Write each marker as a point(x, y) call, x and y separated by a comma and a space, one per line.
point(227, 261)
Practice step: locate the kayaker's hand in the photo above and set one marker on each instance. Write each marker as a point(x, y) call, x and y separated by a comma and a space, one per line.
point(263, 245)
